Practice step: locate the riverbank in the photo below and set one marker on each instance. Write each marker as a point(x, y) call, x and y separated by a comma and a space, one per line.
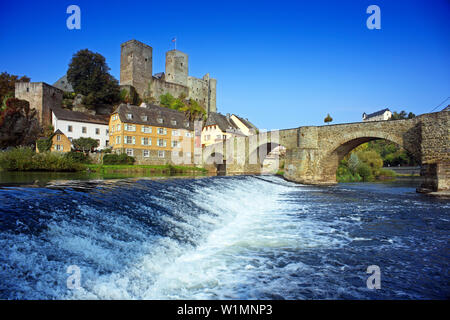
point(154, 169)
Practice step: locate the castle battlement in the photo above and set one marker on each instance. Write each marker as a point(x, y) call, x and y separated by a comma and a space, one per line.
point(136, 67)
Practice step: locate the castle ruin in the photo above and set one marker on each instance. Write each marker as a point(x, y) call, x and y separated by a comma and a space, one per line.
point(136, 70)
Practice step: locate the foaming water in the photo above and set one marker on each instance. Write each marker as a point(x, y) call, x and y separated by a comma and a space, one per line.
point(246, 237)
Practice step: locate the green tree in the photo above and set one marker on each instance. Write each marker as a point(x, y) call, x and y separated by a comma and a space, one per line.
point(89, 75)
point(194, 111)
point(402, 115)
point(7, 86)
point(328, 119)
point(85, 144)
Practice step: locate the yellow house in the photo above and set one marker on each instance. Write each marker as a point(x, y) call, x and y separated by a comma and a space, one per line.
point(219, 128)
point(152, 134)
point(60, 143)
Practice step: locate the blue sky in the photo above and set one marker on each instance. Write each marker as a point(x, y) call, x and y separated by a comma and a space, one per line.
point(282, 64)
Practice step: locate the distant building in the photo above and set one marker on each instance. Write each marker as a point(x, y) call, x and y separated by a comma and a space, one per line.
point(219, 128)
point(63, 84)
point(75, 125)
point(152, 134)
point(381, 115)
point(136, 67)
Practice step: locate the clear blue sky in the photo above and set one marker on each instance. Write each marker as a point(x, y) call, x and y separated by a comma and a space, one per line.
point(282, 64)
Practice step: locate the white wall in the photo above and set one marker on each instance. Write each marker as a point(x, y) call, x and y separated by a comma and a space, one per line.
point(77, 130)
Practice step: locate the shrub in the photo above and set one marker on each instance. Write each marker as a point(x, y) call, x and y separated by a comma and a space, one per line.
point(25, 159)
point(78, 157)
point(365, 172)
point(44, 144)
point(113, 158)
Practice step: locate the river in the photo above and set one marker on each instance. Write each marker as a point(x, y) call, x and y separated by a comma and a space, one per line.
point(242, 237)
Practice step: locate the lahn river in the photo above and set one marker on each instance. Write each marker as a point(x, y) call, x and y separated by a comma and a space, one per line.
point(242, 237)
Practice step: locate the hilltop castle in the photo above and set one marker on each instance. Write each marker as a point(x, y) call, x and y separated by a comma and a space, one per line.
point(136, 67)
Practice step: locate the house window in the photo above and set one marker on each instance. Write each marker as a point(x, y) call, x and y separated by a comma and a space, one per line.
point(130, 140)
point(146, 141)
point(129, 127)
point(161, 153)
point(130, 152)
point(173, 122)
point(69, 128)
point(162, 131)
point(129, 116)
point(83, 129)
point(162, 143)
point(207, 137)
point(146, 129)
point(188, 135)
point(175, 133)
point(160, 120)
point(118, 140)
point(112, 129)
point(59, 147)
point(186, 124)
point(70, 139)
point(144, 118)
point(107, 131)
point(106, 143)
point(146, 153)
point(174, 144)
point(58, 137)
point(118, 127)
point(97, 131)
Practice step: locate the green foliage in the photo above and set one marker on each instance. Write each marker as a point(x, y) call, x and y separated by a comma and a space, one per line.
point(79, 157)
point(402, 115)
point(25, 159)
point(328, 119)
point(365, 172)
point(88, 74)
point(44, 144)
point(130, 96)
point(193, 110)
point(7, 84)
point(113, 158)
point(85, 144)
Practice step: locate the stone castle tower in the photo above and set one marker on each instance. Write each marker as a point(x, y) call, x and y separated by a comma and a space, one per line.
point(136, 70)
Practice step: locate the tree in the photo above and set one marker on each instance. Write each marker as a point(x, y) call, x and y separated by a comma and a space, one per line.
point(7, 85)
point(328, 119)
point(85, 144)
point(193, 110)
point(89, 75)
point(402, 115)
point(19, 124)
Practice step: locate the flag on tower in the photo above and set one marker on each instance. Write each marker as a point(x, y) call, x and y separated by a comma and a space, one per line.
point(174, 40)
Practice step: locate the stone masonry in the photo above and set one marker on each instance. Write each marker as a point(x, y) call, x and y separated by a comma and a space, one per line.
point(313, 153)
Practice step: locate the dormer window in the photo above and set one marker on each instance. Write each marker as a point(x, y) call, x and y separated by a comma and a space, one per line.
point(144, 118)
point(186, 124)
point(173, 122)
point(129, 116)
point(160, 120)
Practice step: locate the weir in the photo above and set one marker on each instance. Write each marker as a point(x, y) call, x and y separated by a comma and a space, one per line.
point(313, 152)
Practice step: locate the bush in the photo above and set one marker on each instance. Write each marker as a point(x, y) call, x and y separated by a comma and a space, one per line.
point(365, 172)
point(78, 157)
point(111, 159)
point(25, 159)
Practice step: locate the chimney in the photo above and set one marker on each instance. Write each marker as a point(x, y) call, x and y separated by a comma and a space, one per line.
point(228, 116)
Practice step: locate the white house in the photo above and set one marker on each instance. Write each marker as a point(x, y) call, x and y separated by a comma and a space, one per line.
point(381, 115)
point(78, 124)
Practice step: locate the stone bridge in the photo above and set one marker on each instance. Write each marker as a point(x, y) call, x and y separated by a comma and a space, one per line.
point(313, 153)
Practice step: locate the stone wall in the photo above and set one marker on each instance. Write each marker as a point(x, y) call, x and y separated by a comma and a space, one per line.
point(41, 96)
point(136, 66)
point(160, 87)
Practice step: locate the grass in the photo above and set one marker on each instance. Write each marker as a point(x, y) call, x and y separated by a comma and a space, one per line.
point(160, 169)
point(280, 173)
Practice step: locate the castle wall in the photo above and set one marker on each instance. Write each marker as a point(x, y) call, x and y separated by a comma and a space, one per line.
point(160, 87)
point(198, 90)
point(136, 66)
point(212, 95)
point(41, 96)
point(177, 67)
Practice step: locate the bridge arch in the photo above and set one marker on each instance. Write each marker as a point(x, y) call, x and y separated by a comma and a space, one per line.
point(339, 148)
point(259, 154)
